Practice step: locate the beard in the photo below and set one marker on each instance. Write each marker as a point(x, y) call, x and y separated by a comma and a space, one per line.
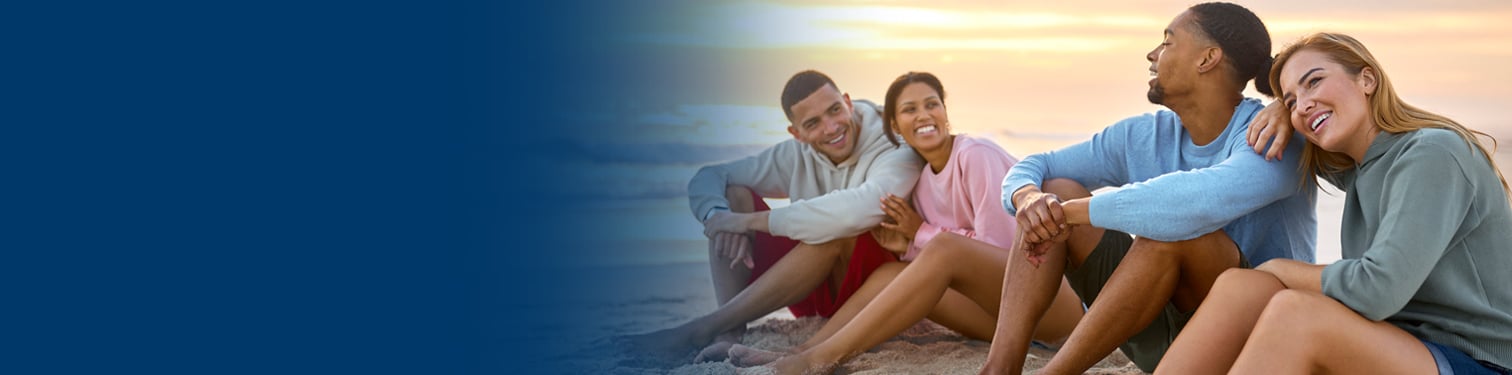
point(1156, 94)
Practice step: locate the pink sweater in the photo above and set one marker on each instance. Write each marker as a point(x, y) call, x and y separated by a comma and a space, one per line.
point(965, 197)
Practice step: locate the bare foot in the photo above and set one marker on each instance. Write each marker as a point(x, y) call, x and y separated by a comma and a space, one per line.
point(799, 364)
point(668, 346)
point(715, 352)
point(745, 356)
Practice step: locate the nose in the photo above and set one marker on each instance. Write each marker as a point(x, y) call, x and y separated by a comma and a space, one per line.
point(1154, 54)
point(835, 127)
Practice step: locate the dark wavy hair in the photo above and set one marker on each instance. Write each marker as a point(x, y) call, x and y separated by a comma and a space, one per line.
point(890, 104)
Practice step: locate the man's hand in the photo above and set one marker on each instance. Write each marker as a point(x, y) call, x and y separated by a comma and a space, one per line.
point(1040, 215)
point(728, 236)
point(733, 246)
point(1035, 252)
point(1273, 126)
point(725, 221)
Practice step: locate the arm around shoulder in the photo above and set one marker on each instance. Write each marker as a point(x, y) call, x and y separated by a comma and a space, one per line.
point(851, 211)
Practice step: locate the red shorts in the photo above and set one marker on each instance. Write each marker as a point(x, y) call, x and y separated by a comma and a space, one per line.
point(825, 299)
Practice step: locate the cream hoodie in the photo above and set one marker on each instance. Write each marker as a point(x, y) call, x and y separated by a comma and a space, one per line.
point(829, 201)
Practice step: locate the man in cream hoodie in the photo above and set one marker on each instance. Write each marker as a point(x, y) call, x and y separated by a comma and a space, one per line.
point(810, 255)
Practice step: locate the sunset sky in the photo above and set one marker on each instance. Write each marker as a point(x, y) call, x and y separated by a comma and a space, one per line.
point(1069, 67)
point(1032, 77)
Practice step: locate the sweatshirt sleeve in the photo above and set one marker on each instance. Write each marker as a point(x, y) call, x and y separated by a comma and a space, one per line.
point(981, 166)
point(1095, 163)
point(851, 211)
point(1425, 200)
point(766, 173)
point(1187, 204)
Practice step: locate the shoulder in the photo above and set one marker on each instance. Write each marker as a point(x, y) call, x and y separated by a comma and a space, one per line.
point(973, 150)
point(1431, 142)
point(867, 108)
point(1434, 136)
point(1144, 123)
point(1431, 149)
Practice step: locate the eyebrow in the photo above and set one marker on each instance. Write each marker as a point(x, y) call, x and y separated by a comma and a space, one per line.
point(1304, 75)
point(816, 118)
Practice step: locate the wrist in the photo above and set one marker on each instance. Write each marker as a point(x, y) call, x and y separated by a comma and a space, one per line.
point(1022, 194)
point(757, 221)
point(1078, 211)
point(712, 212)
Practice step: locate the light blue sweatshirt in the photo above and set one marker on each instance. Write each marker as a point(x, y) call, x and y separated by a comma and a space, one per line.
point(1170, 189)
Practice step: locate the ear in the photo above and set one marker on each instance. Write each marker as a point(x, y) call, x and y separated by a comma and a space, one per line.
point(792, 129)
point(1211, 57)
point(1367, 80)
point(848, 106)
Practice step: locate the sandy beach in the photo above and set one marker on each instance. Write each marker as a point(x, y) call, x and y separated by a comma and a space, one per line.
point(659, 296)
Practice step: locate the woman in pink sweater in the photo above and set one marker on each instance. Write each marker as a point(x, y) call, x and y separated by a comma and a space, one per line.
point(953, 240)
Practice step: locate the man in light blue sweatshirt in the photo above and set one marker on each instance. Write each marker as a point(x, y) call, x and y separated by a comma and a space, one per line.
point(1187, 184)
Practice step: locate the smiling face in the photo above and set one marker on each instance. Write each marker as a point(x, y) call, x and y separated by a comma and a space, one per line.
point(1172, 63)
point(1329, 105)
point(824, 120)
point(921, 118)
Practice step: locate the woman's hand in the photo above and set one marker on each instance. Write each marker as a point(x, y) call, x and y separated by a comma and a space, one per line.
point(1271, 126)
point(891, 240)
point(904, 219)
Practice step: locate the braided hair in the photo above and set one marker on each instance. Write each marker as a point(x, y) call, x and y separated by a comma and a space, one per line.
point(1243, 39)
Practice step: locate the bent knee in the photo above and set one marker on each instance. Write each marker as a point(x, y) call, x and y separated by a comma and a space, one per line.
point(1291, 310)
point(944, 247)
point(742, 199)
point(1239, 278)
point(1065, 188)
point(944, 241)
point(1216, 242)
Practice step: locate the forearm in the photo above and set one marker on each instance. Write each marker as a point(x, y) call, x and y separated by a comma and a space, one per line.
point(1295, 275)
point(735, 222)
point(758, 221)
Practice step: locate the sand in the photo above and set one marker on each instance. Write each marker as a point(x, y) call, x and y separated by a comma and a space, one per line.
point(926, 348)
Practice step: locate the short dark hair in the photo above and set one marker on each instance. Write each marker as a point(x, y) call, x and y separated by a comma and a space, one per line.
point(802, 85)
point(890, 105)
point(1245, 42)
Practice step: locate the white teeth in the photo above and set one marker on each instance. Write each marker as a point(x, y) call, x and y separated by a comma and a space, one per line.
point(837, 139)
point(1319, 120)
point(926, 129)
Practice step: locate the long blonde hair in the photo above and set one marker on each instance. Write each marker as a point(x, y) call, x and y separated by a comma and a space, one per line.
point(1388, 111)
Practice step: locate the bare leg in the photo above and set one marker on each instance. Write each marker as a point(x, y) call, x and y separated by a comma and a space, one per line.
point(787, 282)
point(1151, 275)
point(1032, 288)
point(868, 291)
point(728, 281)
point(744, 356)
point(1212, 340)
point(949, 262)
point(1317, 334)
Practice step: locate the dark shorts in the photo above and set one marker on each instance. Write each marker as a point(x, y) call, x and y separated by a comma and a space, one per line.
point(1146, 347)
point(826, 299)
point(1453, 361)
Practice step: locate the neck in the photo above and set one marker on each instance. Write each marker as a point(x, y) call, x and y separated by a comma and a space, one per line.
point(1359, 148)
point(1205, 115)
point(940, 155)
